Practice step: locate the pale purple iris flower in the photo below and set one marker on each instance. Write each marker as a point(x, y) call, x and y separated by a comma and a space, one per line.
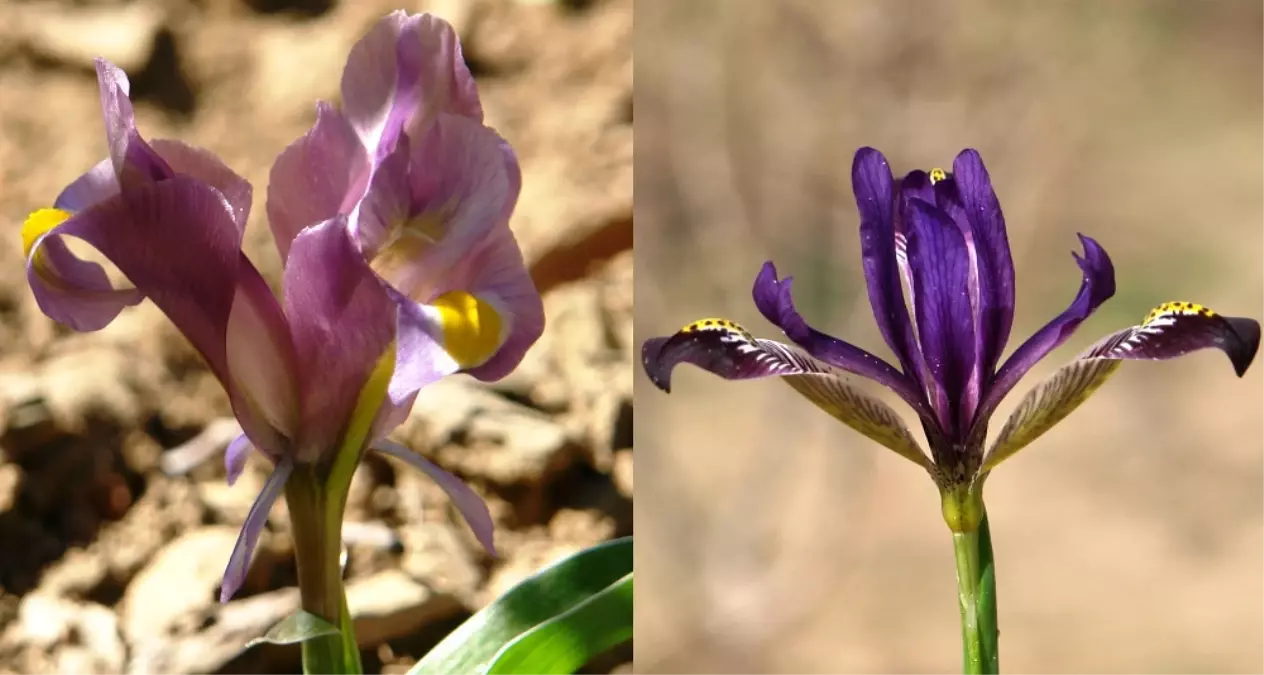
point(171, 217)
point(940, 238)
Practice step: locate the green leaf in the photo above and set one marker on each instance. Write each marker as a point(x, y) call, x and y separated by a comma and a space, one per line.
point(298, 627)
point(563, 644)
point(548, 594)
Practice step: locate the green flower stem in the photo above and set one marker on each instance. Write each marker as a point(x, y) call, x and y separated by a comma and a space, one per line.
point(317, 546)
point(976, 588)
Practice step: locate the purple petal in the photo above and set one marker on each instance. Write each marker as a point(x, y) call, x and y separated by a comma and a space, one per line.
point(97, 185)
point(940, 264)
point(875, 197)
point(1098, 286)
point(342, 321)
point(319, 176)
point(725, 349)
point(387, 204)
point(203, 165)
point(235, 457)
point(263, 381)
point(433, 72)
point(239, 561)
point(1177, 328)
point(1171, 330)
point(76, 293)
point(992, 255)
point(134, 161)
point(472, 507)
point(773, 298)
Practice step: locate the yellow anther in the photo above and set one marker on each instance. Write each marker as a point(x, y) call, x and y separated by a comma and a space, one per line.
point(38, 224)
point(471, 328)
point(937, 175)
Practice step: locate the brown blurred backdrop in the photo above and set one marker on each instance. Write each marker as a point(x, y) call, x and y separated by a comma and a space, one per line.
point(771, 538)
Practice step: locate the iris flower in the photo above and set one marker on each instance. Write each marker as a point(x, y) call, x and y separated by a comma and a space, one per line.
point(941, 238)
point(391, 218)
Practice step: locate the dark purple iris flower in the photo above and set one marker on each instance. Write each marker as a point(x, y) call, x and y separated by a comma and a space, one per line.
point(941, 238)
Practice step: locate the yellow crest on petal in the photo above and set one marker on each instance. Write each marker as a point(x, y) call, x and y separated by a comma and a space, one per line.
point(471, 327)
point(38, 224)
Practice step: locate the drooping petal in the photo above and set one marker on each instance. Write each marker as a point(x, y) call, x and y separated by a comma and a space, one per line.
point(995, 265)
point(774, 300)
point(76, 293)
point(941, 267)
point(96, 185)
point(421, 53)
point(471, 507)
point(1097, 286)
point(319, 176)
point(1171, 330)
point(239, 560)
point(726, 349)
point(875, 198)
point(235, 456)
point(134, 161)
point(203, 165)
point(342, 322)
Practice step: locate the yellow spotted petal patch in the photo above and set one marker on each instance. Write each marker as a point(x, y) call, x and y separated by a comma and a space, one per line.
point(37, 225)
point(472, 328)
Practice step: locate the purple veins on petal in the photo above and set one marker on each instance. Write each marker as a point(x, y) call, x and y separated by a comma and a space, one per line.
point(472, 507)
point(243, 550)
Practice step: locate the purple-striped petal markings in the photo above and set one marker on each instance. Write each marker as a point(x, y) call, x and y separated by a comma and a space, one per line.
point(938, 238)
point(307, 374)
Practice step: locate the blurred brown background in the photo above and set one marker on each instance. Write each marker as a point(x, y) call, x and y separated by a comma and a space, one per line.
point(107, 565)
point(1128, 539)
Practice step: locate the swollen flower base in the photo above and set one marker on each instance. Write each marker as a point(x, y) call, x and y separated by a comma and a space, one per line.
point(392, 219)
point(939, 238)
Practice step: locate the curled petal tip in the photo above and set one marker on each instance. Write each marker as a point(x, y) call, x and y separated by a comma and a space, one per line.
point(656, 369)
point(1243, 353)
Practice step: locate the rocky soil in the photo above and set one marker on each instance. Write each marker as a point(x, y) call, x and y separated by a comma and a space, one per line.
point(112, 537)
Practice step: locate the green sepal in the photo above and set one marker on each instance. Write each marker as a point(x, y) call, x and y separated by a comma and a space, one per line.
point(542, 597)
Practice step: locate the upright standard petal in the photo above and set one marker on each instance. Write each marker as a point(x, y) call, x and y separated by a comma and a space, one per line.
point(1170, 330)
point(342, 322)
point(774, 299)
point(875, 198)
point(321, 175)
point(940, 264)
point(726, 349)
point(1097, 286)
point(134, 161)
point(187, 160)
point(419, 56)
point(994, 263)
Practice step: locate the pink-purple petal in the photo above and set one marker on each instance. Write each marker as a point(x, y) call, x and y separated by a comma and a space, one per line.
point(73, 292)
point(96, 185)
point(256, 519)
point(1096, 287)
point(471, 507)
point(134, 161)
point(342, 322)
point(235, 456)
point(495, 271)
point(203, 165)
point(319, 176)
point(420, 359)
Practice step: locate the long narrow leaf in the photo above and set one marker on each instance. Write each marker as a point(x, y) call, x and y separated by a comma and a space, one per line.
point(547, 594)
point(563, 644)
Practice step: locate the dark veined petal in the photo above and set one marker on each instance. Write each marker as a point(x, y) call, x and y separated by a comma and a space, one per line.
point(1171, 330)
point(471, 507)
point(319, 176)
point(774, 299)
point(995, 264)
point(239, 560)
point(873, 186)
point(941, 267)
point(1097, 286)
point(725, 349)
point(342, 321)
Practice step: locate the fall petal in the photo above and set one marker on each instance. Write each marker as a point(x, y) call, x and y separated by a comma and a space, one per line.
point(256, 519)
point(471, 507)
